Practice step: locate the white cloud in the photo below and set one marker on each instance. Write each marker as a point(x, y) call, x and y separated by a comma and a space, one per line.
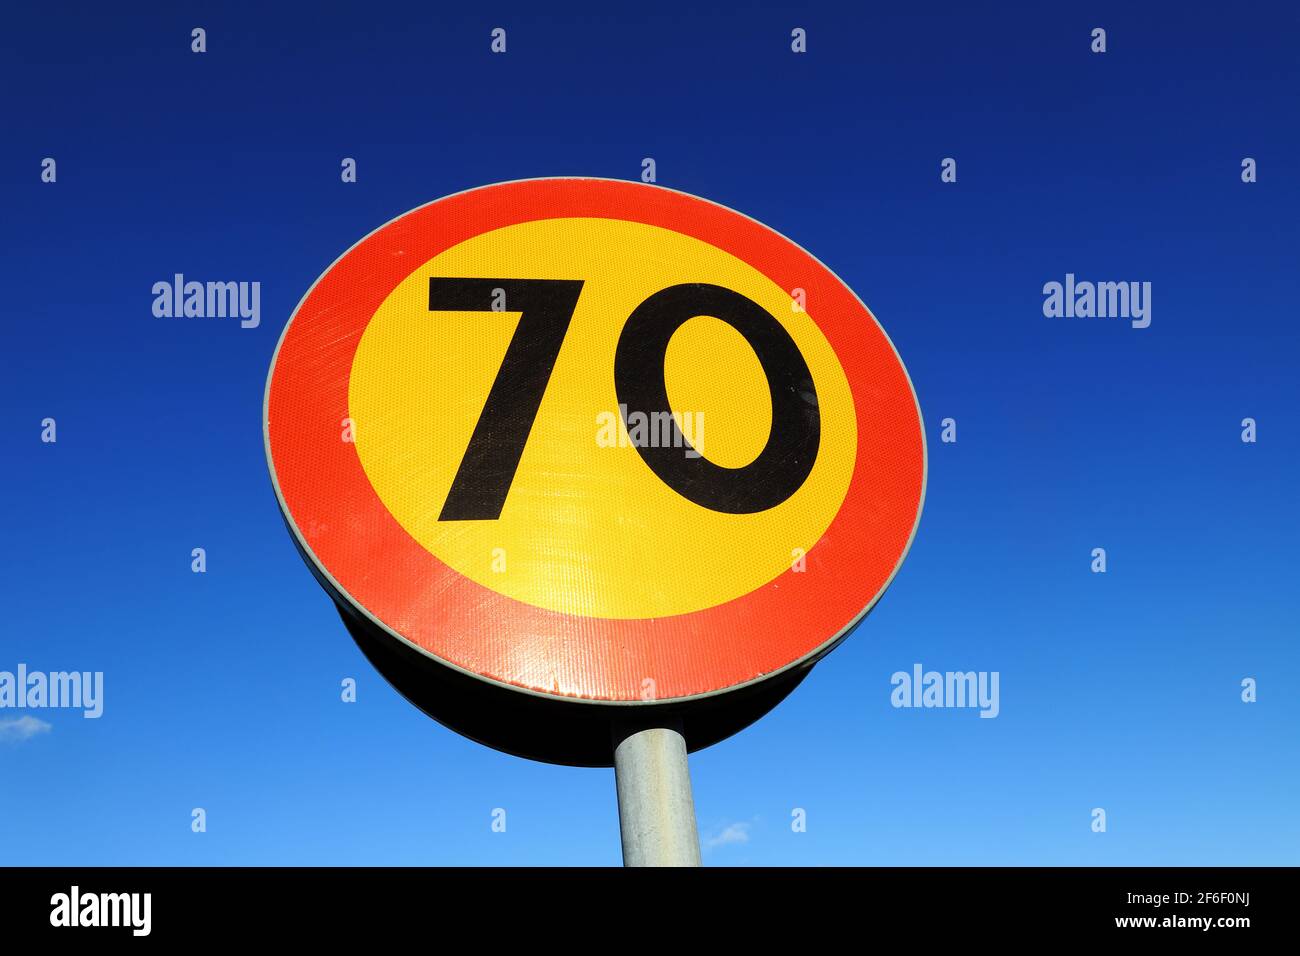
point(732, 833)
point(23, 728)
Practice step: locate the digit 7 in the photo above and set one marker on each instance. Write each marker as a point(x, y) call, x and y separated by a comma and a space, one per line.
point(478, 492)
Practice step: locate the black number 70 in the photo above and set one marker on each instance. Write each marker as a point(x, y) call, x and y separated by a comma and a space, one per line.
point(546, 306)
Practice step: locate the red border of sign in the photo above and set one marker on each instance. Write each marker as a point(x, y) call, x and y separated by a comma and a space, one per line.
point(374, 564)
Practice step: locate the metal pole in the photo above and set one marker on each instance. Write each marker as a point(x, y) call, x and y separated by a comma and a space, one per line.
point(655, 810)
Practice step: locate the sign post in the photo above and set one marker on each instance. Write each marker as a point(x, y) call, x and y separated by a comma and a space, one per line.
point(656, 812)
point(594, 472)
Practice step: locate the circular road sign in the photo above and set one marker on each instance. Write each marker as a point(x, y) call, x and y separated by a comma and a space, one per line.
point(593, 444)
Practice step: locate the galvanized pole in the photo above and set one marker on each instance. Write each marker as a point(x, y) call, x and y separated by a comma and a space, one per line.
point(655, 809)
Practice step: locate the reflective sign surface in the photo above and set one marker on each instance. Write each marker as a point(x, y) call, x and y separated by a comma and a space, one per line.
point(595, 439)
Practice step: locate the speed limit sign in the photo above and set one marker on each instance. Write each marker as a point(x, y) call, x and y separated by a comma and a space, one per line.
point(595, 444)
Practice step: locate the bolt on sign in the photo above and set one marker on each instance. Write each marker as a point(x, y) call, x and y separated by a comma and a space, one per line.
point(562, 450)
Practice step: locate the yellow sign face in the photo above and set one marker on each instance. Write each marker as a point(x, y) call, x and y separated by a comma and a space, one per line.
point(587, 527)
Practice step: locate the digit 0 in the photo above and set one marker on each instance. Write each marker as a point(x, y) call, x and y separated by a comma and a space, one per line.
point(787, 458)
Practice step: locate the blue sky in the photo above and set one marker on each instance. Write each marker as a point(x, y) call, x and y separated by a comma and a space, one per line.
point(1118, 691)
